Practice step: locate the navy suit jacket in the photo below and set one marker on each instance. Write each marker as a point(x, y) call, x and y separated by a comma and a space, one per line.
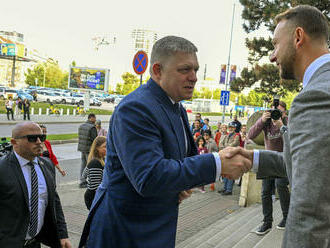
point(146, 168)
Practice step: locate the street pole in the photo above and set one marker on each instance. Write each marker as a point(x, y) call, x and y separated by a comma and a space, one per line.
point(13, 72)
point(228, 64)
point(141, 79)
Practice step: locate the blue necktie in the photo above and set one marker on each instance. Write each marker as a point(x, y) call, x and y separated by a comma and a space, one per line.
point(33, 202)
point(178, 111)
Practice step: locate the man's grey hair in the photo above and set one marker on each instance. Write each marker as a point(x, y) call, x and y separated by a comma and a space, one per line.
point(168, 46)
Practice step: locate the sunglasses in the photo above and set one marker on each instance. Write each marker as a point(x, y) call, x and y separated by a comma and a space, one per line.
point(33, 137)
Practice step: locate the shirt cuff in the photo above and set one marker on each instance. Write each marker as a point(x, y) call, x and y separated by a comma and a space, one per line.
point(218, 164)
point(255, 165)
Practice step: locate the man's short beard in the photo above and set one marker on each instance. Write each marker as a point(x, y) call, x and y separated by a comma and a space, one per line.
point(287, 71)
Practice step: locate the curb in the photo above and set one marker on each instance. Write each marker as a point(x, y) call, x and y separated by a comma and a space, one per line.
point(59, 142)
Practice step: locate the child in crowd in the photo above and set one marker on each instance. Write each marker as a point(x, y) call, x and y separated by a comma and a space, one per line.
point(201, 149)
point(232, 139)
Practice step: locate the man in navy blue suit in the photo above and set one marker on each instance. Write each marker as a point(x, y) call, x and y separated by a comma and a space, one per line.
point(151, 157)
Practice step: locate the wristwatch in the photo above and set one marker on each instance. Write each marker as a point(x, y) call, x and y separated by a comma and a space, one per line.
point(283, 129)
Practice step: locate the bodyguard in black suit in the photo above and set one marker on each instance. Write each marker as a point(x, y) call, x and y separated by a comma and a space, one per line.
point(30, 208)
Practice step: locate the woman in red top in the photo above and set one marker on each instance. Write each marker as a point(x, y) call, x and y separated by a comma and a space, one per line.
point(47, 151)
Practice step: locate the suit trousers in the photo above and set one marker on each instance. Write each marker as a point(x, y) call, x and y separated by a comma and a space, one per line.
point(267, 203)
point(10, 111)
point(84, 157)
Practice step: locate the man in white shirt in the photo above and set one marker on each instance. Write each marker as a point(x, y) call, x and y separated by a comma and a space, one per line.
point(301, 52)
point(30, 209)
point(9, 107)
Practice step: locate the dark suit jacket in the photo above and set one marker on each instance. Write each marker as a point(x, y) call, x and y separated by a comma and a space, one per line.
point(146, 167)
point(14, 208)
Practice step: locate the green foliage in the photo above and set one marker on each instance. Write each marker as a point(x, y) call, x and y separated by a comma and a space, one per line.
point(263, 12)
point(247, 79)
point(51, 72)
point(66, 136)
point(258, 48)
point(206, 93)
point(131, 82)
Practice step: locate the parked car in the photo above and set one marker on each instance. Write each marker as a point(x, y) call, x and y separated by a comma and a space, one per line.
point(110, 99)
point(2, 93)
point(24, 96)
point(95, 102)
point(10, 93)
point(64, 98)
point(44, 96)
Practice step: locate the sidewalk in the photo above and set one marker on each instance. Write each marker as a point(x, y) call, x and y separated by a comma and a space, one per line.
point(47, 119)
point(195, 213)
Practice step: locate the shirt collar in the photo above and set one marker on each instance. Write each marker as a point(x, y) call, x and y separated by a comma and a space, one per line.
point(23, 162)
point(172, 101)
point(314, 66)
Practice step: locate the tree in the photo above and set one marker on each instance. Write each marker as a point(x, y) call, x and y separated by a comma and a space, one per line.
point(51, 72)
point(259, 14)
point(247, 79)
point(131, 82)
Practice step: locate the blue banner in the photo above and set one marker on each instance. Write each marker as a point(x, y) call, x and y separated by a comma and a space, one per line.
point(232, 73)
point(223, 74)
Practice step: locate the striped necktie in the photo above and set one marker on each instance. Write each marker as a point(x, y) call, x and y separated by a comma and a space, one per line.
point(33, 202)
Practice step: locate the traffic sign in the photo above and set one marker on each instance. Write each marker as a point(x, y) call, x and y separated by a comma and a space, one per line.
point(140, 62)
point(224, 98)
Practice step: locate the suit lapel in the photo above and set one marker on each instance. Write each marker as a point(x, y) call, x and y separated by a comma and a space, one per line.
point(20, 177)
point(172, 115)
point(176, 126)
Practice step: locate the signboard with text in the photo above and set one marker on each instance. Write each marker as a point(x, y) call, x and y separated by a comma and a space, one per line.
point(89, 78)
point(7, 49)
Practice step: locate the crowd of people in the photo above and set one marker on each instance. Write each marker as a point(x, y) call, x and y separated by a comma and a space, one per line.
point(231, 135)
point(20, 107)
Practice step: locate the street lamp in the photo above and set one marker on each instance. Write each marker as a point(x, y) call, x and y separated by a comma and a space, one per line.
point(50, 60)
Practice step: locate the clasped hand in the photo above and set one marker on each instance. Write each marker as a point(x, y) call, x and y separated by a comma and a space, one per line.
point(235, 161)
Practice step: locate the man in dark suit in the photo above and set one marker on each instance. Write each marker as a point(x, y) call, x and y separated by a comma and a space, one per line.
point(30, 209)
point(301, 52)
point(151, 157)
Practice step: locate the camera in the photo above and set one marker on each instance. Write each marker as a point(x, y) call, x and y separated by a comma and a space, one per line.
point(275, 113)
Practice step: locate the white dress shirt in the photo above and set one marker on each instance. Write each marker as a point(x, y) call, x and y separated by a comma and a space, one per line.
point(42, 188)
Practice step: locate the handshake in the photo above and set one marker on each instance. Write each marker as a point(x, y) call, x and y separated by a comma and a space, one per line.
point(235, 161)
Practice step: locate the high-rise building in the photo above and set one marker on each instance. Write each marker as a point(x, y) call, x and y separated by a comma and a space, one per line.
point(6, 62)
point(13, 36)
point(143, 40)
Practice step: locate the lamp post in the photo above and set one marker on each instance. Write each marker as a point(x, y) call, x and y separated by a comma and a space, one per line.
point(228, 64)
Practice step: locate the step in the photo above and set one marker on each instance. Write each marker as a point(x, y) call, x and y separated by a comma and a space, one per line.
point(252, 239)
point(216, 228)
point(274, 238)
point(235, 231)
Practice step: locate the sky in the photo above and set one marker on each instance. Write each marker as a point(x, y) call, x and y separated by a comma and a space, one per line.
point(63, 30)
